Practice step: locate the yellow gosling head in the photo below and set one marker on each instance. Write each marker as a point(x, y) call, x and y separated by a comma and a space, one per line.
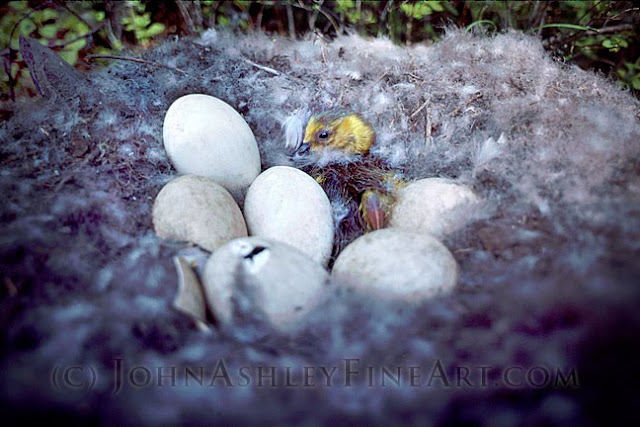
point(343, 131)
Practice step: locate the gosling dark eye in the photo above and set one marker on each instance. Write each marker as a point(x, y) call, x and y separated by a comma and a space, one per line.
point(323, 135)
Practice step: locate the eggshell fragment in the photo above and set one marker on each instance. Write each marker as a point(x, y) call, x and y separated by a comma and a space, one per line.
point(270, 276)
point(287, 205)
point(393, 263)
point(189, 298)
point(206, 136)
point(196, 209)
point(433, 205)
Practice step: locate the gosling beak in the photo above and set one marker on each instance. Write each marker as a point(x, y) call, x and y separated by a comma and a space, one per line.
point(304, 149)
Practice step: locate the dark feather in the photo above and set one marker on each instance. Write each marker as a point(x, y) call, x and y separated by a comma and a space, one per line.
point(344, 183)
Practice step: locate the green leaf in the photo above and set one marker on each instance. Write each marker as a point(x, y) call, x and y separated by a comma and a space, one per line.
point(416, 10)
point(142, 21)
point(70, 56)
point(26, 27)
point(586, 41)
point(153, 30)
point(343, 6)
point(19, 6)
point(48, 31)
point(407, 8)
point(436, 6)
point(47, 14)
point(368, 17)
point(421, 10)
point(449, 8)
point(619, 41)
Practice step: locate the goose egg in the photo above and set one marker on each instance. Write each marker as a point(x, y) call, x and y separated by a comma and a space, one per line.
point(434, 205)
point(287, 205)
point(198, 210)
point(206, 136)
point(396, 264)
point(266, 275)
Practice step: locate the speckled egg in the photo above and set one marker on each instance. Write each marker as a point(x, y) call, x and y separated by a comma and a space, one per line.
point(434, 205)
point(277, 279)
point(198, 210)
point(396, 264)
point(287, 205)
point(206, 136)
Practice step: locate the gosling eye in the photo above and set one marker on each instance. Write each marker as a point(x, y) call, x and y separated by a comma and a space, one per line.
point(323, 134)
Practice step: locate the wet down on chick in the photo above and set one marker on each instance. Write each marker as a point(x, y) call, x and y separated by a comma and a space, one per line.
point(335, 150)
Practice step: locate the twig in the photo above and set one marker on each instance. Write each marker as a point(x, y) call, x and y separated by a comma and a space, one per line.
point(258, 24)
point(322, 10)
point(413, 75)
point(476, 96)
point(427, 125)
point(463, 250)
point(427, 129)
point(141, 61)
point(382, 77)
point(290, 21)
point(383, 17)
point(314, 15)
point(541, 25)
point(272, 70)
point(197, 14)
point(633, 9)
point(214, 11)
point(323, 42)
point(262, 67)
point(182, 8)
point(616, 28)
point(6, 62)
point(424, 104)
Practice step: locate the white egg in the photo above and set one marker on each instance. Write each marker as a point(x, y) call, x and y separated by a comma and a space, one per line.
point(266, 275)
point(206, 136)
point(396, 264)
point(287, 205)
point(434, 205)
point(198, 210)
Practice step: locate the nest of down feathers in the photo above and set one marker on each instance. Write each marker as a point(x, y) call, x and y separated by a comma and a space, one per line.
point(549, 274)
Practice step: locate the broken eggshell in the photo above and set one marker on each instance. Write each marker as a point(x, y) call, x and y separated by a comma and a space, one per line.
point(196, 209)
point(287, 205)
point(434, 205)
point(206, 136)
point(189, 298)
point(396, 264)
point(264, 275)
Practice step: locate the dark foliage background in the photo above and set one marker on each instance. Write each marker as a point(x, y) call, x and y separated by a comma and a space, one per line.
point(600, 35)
